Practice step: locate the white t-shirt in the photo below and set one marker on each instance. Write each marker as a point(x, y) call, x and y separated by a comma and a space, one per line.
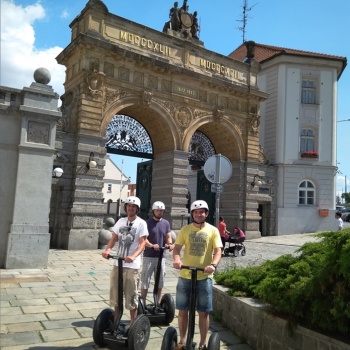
point(129, 234)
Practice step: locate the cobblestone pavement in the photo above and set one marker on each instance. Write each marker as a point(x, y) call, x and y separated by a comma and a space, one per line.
point(55, 308)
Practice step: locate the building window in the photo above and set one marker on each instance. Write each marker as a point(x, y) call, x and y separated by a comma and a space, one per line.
point(306, 193)
point(307, 140)
point(109, 188)
point(308, 92)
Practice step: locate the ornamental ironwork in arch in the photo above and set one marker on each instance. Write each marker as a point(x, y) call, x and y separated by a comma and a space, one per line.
point(200, 149)
point(126, 136)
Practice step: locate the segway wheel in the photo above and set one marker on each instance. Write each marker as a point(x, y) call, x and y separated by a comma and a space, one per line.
point(169, 339)
point(236, 252)
point(167, 304)
point(104, 321)
point(243, 253)
point(214, 341)
point(139, 332)
point(226, 251)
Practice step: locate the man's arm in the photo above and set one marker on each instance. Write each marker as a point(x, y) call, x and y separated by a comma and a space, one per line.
point(176, 256)
point(169, 241)
point(110, 245)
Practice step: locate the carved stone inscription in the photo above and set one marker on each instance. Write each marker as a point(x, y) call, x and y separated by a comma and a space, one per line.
point(186, 91)
point(38, 132)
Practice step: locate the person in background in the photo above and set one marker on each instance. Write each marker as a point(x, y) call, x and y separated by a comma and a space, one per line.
point(133, 229)
point(339, 221)
point(159, 236)
point(202, 250)
point(238, 234)
point(223, 231)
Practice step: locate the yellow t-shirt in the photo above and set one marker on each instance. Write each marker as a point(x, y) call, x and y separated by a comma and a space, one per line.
point(199, 248)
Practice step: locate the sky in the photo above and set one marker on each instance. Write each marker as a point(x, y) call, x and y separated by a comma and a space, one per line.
point(34, 32)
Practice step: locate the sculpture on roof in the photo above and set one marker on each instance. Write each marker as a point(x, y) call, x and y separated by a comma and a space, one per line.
point(182, 22)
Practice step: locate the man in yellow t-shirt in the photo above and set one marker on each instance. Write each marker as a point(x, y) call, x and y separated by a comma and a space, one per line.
point(202, 244)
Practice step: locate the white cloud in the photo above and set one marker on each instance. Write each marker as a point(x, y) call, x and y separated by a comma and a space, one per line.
point(19, 56)
point(65, 14)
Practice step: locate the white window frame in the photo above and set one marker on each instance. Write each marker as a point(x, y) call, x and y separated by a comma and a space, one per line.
point(306, 193)
point(109, 188)
point(307, 140)
point(308, 91)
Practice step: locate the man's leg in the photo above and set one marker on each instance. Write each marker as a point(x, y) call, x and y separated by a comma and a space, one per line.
point(203, 326)
point(183, 322)
point(133, 314)
point(159, 294)
point(144, 294)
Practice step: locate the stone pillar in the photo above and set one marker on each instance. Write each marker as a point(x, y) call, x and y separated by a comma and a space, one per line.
point(169, 184)
point(83, 220)
point(29, 238)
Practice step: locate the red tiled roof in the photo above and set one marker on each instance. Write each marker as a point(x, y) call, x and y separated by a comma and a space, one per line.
point(266, 52)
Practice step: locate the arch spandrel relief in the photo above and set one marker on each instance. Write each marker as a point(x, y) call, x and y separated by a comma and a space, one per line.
point(95, 84)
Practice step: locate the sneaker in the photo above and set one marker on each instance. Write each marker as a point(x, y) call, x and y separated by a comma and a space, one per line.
point(202, 347)
point(180, 346)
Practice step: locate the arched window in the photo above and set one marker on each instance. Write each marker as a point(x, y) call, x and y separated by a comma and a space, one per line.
point(307, 140)
point(306, 193)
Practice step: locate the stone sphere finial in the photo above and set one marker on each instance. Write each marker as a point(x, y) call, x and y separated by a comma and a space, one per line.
point(42, 76)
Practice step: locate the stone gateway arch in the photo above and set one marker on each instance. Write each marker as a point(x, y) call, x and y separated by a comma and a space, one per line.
point(174, 87)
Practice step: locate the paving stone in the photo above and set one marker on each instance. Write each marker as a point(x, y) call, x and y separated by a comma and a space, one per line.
point(74, 322)
point(11, 311)
point(23, 319)
point(25, 327)
point(28, 302)
point(3, 329)
point(25, 338)
point(87, 298)
point(73, 294)
point(36, 296)
point(42, 290)
point(44, 309)
point(59, 334)
point(53, 301)
point(18, 291)
point(63, 315)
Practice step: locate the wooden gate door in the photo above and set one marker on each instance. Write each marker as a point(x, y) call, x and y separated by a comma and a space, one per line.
point(204, 193)
point(143, 187)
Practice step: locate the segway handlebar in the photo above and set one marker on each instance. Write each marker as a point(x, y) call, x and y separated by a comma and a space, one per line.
point(193, 268)
point(114, 257)
point(163, 248)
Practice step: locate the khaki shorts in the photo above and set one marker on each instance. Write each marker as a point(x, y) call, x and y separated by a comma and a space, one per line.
point(131, 280)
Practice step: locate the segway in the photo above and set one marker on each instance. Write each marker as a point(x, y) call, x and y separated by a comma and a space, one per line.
point(170, 336)
point(110, 330)
point(164, 312)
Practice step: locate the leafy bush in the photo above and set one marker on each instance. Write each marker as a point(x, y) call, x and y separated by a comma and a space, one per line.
point(311, 287)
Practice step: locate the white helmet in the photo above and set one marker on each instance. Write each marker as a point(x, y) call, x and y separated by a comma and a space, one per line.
point(133, 200)
point(158, 205)
point(199, 205)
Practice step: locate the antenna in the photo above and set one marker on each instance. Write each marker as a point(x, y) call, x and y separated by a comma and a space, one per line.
point(245, 17)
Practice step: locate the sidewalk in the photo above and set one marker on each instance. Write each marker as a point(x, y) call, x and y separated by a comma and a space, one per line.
point(55, 308)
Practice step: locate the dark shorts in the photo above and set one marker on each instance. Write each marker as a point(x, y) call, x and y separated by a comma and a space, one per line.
point(204, 294)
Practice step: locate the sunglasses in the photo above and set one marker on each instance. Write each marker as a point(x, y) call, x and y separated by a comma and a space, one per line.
point(129, 226)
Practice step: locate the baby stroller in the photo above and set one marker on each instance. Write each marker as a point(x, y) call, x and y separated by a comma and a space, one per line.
point(235, 243)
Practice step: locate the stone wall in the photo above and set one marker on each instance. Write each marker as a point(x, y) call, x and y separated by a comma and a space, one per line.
point(249, 319)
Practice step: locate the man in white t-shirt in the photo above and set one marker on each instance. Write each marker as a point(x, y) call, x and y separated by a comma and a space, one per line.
point(339, 221)
point(131, 232)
